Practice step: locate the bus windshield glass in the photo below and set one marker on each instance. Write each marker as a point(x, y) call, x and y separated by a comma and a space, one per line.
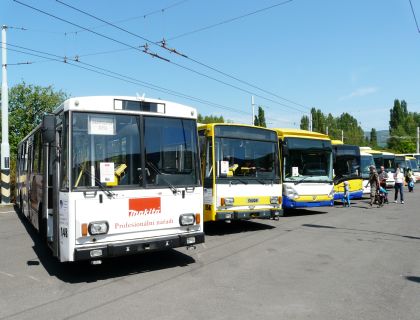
point(246, 159)
point(107, 151)
point(347, 162)
point(414, 166)
point(389, 164)
point(365, 162)
point(307, 160)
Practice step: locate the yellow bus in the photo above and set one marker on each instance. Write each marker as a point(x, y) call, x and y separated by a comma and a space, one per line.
point(307, 168)
point(241, 172)
point(347, 168)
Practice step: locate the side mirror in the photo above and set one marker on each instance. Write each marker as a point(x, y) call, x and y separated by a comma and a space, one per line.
point(48, 128)
point(285, 151)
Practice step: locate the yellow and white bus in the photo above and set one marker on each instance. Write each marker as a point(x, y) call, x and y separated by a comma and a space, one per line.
point(347, 168)
point(111, 176)
point(241, 172)
point(307, 168)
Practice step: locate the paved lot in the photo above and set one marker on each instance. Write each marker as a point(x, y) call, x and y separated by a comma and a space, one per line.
point(333, 263)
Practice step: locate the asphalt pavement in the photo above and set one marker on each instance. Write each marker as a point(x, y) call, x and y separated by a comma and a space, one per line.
point(324, 263)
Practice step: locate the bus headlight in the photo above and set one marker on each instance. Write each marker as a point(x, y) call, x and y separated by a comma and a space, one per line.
point(98, 227)
point(226, 201)
point(290, 192)
point(274, 200)
point(187, 219)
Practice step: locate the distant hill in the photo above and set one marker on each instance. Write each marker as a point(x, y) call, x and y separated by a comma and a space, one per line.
point(383, 136)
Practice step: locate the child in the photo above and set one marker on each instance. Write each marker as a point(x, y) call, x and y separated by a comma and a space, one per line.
point(383, 196)
point(346, 196)
point(410, 180)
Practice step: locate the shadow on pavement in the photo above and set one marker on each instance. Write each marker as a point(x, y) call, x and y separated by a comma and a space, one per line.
point(318, 226)
point(218, 228)
point(414, 279)
point(79, 272)
point(302, 212)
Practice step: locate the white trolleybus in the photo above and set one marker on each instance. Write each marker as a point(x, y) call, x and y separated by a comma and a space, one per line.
point(307, 163)
point(111, 176)
point(241, 169)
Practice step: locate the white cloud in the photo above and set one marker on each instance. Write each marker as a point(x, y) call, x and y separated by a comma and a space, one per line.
point(361, 92)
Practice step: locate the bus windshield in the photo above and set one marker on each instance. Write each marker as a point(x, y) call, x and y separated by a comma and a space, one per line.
point(307, 160)
point(414, 166)
point(246, 159)
point(389, 163)
point(347, 162)
point(365, 163)
point(107, 150)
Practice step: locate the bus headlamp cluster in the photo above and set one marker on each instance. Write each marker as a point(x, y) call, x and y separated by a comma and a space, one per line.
point(274, 200)
point(290, 192)
point(227, 201)
point(187, 219)
point(98, 227)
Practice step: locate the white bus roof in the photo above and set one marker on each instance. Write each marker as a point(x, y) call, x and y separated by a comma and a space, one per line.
point(116, 104)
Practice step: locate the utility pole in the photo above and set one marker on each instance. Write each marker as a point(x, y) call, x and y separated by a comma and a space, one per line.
point(310, 121)
point(253, 110)
point(418, 140)
point(342, 136)
point(5, 148)
point(326, 130)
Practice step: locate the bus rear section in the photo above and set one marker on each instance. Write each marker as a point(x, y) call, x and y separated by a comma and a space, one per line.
point(347, 168)
point(122, 177)
point(241, 172)
point(307, 167)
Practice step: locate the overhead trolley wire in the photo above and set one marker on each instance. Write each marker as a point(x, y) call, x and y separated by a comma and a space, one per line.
point(144, 16)
point(228, 20)
point(414, 15)
point(145, 51)
point(162, 45)
point(116, 75)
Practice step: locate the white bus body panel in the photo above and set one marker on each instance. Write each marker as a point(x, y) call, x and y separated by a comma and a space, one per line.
point(125, 224)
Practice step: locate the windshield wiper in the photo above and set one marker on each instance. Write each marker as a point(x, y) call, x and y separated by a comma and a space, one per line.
point(103, 187)
point(157, 171)
point(303, 179)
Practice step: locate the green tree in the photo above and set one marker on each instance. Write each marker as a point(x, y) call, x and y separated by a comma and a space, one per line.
point(259, 120)
point(304, 123)
point(373, 138)
point(402, 128)
point(27, 104)
point(210, 119)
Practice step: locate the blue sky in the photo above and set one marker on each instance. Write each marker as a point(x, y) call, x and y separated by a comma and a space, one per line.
point(340, 56)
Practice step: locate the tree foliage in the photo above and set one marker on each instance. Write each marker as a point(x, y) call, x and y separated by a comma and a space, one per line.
point(27, 105)
point(259, 120)
point(210, 119)
point(402, 128)
point(373, 142)
point(353, 133)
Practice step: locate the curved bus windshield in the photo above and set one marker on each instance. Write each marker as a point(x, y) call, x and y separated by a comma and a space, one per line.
point(107, 151)
point(365, 163)
point(307, 160)
point(246, 159)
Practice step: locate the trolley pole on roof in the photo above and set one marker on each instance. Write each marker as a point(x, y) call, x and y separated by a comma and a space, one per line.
point(253, 110)
point(5, 148)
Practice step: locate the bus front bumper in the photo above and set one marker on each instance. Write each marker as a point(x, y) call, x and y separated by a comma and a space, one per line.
point(246, 215)
point(140, 246)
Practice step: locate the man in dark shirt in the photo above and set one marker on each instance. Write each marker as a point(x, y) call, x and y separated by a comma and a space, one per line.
point(374, 184)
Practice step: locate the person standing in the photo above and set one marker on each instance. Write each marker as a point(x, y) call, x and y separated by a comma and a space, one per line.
point(410, 180)
point(399, 185)
point(374, 184)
